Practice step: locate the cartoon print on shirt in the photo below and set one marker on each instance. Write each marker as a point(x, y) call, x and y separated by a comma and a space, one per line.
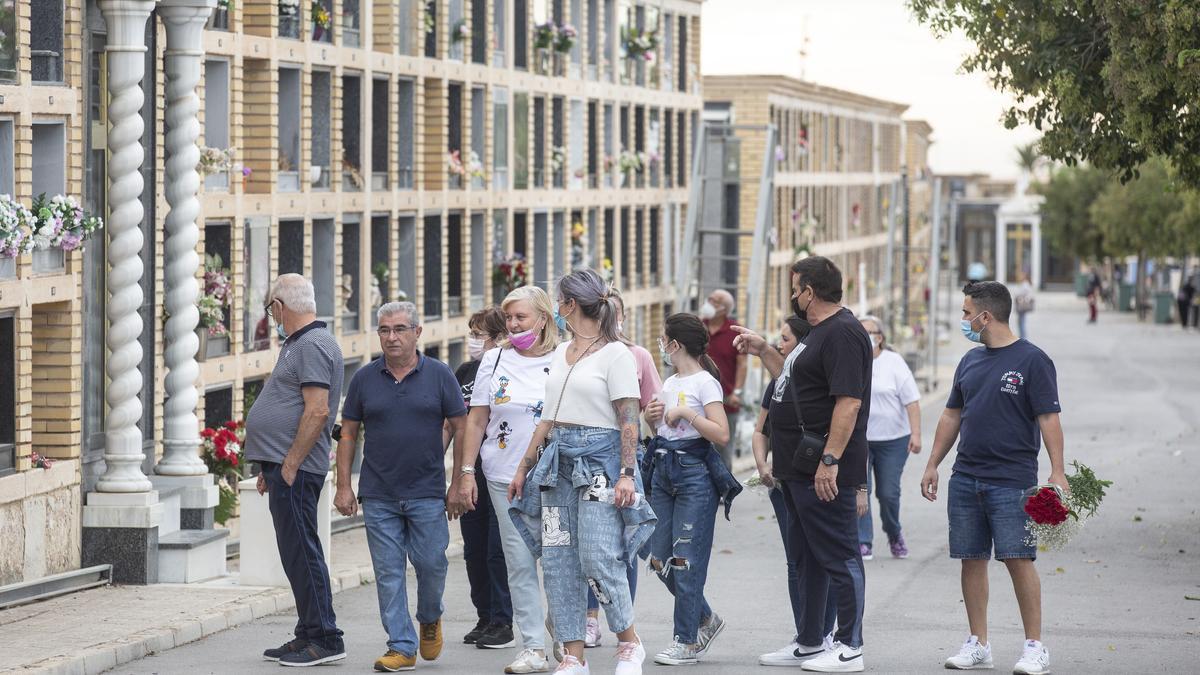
point(536, 409)
point(505, 432)
point(502, 396)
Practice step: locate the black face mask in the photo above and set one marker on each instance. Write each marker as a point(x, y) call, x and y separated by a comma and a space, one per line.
point(797, 311)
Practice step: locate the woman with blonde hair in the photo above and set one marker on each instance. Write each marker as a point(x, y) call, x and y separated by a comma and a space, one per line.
point(506, 407)
point(585, 479)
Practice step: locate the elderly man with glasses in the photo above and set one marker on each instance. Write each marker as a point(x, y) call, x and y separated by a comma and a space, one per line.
point(287, 434)
point(403, 399)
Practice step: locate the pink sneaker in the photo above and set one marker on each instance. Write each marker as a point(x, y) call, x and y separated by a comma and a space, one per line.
point(899, 548)
point(591, 636)
point(866, 552)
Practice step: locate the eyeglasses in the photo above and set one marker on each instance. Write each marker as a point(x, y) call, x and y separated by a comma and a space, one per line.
point(387, 331)
point(269, 308)
point(476, 335)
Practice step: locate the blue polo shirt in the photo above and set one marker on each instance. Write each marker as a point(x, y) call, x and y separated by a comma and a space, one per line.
point(403, 456)
point(1001, 393)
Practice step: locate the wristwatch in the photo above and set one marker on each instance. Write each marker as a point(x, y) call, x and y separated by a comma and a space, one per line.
point(829, 460)
point(628, 471)
point(468, 469)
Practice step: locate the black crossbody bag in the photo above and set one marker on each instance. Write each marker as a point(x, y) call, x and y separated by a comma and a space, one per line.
point(807, 456)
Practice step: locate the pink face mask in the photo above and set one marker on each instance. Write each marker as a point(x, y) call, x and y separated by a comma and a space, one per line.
point(523, 340)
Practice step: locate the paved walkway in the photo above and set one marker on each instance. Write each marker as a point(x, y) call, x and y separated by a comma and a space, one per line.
point(1115, 600)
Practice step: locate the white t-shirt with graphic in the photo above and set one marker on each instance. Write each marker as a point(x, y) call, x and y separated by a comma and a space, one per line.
point(694, 391)
point(514, 389)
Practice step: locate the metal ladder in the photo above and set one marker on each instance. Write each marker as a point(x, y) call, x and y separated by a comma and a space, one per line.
point(711, 253)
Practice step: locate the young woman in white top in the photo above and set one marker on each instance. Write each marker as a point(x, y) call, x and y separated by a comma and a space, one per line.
point(689, 416)
point(506, 406)
point(586, 479)
point(893, 433)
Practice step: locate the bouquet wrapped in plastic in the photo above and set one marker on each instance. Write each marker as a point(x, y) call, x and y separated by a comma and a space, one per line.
point(1054, 516)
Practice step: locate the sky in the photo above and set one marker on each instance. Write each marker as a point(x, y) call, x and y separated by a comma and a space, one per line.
point(876, 48)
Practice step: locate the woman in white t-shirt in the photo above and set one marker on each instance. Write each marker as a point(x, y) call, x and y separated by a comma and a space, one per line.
point(893, 432)
point(506, 406)
point(586, 478)
point(689, 416)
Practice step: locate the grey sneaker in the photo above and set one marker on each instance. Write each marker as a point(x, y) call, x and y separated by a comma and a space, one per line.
point(678, 654)
point(709, 630)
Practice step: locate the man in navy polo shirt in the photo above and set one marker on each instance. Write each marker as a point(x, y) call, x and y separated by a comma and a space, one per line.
point(1003, 405)
point(403, 399)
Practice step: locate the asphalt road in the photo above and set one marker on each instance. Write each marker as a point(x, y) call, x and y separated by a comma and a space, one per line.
point(1114, 601)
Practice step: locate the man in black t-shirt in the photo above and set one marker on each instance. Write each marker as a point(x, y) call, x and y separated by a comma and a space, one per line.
point(827, 379)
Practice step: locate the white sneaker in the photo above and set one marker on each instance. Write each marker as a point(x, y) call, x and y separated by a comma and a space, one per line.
point(569, 665)
point(528, 661)
point(971, 656)
point(839, 659)
point(591, 636)
point(1035, 660)
point(630, 656)
point(792, 655)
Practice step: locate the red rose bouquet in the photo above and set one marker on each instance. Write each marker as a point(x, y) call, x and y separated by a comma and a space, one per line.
point(222, 451)
point(1055, 517)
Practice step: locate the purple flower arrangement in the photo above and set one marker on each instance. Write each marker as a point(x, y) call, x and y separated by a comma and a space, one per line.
point(61, 223)
point(16, 227)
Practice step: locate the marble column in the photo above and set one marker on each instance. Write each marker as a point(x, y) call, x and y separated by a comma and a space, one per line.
point(122, 516)
point(181, 466)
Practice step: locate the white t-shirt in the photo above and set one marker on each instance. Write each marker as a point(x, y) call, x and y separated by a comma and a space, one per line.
point(514, 390)
point(694, 391)
point(892, 388)
point(602, 377)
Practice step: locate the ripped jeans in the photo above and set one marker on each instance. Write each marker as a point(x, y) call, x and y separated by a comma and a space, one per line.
point(685, 500)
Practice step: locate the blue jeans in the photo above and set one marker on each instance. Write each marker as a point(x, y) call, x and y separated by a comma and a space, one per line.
point(887, 459)
point(582, 544)
point(825, 535)
point(630, 575)
point(982, 515)
point(779, 503)
point(685, 501)
point(399, 531)
point(484, 557)
point(294, 514)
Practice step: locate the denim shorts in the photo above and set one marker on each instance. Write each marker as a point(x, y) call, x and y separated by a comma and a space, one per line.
point(983, 516)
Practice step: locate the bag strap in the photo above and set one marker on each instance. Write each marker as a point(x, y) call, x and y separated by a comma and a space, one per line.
point(497, 363)
point(791, 383)
point(566, 379)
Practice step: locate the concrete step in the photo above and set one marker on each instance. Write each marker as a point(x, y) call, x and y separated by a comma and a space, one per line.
point(188, 556)
point(171, 500)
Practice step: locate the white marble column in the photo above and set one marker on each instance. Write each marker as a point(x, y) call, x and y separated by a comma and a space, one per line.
point(126, 52)
point(121, 518)
point(184, 21)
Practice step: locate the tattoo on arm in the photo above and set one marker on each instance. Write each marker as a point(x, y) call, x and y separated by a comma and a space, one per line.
point(627, 419)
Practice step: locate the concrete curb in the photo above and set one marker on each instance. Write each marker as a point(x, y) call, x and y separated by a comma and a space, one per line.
point(99, 658)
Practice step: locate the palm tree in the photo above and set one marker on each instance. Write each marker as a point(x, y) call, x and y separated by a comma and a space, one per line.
point(1029, 159)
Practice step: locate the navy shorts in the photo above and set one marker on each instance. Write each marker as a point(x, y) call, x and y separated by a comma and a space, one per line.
point(983, 516)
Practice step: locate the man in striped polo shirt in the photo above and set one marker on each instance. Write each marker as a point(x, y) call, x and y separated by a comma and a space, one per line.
point(288, 435)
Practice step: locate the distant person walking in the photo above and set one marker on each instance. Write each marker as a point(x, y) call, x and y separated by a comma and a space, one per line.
point(287, 434)
point(717, 313)
point(1003, 406)
point(1187, 291)
point(1095, 287)
point(1023, 302)
point(893, 433)
point(403, 400)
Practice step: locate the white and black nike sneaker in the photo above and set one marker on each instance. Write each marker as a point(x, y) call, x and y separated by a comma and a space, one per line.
point(839, 659)
point(794, 654)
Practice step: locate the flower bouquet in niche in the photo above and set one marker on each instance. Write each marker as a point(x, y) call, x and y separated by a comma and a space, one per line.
point(222, 452)
point(16, 226)
point(61, 223)
point(510, 273)
point(1054, 517)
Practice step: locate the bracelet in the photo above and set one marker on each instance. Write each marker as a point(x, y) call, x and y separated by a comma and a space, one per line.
point(693, 420)
point(467, 470)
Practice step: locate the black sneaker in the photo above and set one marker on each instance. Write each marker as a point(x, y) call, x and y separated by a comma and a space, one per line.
point(497, 636)
point(479, 629)
point(313, 654)
point(286, 648)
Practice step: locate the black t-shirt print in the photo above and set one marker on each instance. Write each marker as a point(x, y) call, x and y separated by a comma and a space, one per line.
point(835, 361)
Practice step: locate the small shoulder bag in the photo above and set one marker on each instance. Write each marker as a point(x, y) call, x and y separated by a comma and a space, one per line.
point(807, 456)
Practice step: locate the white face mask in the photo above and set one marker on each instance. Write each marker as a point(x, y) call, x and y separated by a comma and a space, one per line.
point(475, 347)
point(707, 311)
point(876, 341)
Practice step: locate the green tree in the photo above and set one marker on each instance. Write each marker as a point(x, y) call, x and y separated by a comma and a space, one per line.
point(1135, 217)
point(1112, 82)
point(1067, 221)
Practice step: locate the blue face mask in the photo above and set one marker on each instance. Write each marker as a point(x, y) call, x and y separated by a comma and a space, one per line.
point(968, 332)
point(559, 320)
point(280, 332)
